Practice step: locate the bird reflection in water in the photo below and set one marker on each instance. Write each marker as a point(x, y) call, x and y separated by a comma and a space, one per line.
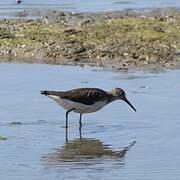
point(84, 150)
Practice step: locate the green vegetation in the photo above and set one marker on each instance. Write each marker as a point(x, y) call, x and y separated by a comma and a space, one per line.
point(3, 138)
point(134, 40)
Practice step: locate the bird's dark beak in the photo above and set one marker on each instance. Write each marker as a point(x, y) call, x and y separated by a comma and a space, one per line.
point(126, 100)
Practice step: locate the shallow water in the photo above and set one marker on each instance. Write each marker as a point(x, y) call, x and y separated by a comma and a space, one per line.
point(7, 6)
point(114, 143)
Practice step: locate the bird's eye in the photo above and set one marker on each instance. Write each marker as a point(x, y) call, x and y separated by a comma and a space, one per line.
point(123, 94)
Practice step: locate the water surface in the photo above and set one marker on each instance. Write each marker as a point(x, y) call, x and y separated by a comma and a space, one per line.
point(7, 6)
point(114, 143)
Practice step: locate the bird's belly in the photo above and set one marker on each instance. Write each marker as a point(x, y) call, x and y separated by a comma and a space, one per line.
point(62, 102)
point(78, 107)
point(83, 108)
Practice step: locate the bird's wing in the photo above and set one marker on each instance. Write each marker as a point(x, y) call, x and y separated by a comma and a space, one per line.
point(86, 96)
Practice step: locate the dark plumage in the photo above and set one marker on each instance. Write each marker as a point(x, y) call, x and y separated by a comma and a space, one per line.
point(86, 96)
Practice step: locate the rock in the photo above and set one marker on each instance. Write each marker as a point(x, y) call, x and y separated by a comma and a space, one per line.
point(70, 31)
point(77, 50)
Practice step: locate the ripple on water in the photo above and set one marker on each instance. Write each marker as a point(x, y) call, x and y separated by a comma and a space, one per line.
point(37, 146)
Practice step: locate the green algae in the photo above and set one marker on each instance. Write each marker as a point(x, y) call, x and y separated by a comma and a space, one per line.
point(2, 138)
point(5, 33)
point(133, 38)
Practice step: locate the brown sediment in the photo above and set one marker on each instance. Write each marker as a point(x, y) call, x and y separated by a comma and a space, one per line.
point(120, 39)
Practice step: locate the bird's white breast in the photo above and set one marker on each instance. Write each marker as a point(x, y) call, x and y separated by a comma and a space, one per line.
point(79, 107)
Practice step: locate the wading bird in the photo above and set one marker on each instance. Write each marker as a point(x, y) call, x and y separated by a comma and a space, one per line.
point(86, 100)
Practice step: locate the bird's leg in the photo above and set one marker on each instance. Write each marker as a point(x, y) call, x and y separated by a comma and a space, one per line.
point(67, 117)
point(80, 133)
point(80, 124)
point(66, 135)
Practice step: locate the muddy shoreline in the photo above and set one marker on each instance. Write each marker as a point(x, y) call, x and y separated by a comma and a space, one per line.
point(121, 40)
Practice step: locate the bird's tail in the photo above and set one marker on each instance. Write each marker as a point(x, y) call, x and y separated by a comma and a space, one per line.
point(46, 93)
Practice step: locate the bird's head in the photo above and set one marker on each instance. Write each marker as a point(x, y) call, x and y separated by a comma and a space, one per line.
point(119, 93)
